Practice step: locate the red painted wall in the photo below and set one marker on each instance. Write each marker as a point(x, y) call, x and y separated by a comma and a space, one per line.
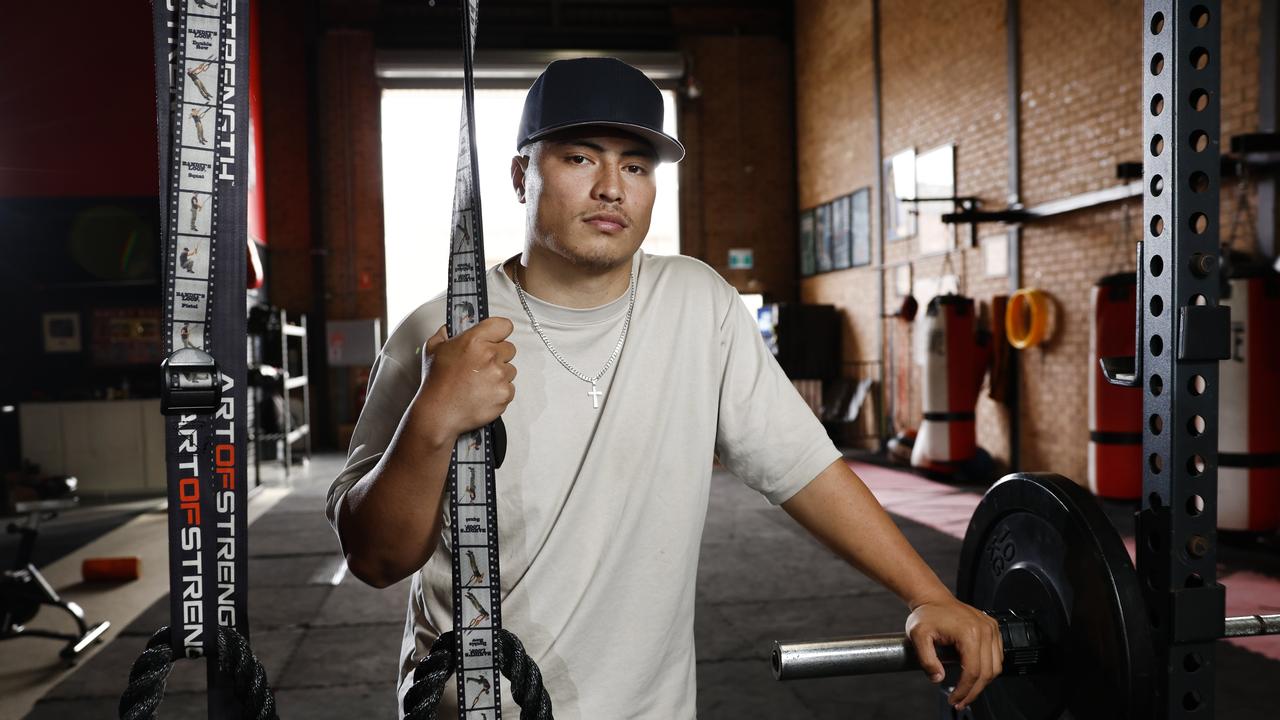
point(77, 100)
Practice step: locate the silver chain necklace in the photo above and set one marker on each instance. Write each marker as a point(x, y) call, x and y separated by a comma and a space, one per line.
point(626, 323)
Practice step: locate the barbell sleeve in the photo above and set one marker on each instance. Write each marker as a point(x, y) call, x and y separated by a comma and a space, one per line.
point(1250, 625)
point(894, 652)
point(852, 656)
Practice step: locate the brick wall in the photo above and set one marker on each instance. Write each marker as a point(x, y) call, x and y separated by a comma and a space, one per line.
point(835, 153)
point(737, 180)
point(943, 75)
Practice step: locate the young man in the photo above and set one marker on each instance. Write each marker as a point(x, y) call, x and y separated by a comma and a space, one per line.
point(603, 494)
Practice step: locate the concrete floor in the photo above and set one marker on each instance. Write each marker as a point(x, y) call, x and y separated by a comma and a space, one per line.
point(330, 649)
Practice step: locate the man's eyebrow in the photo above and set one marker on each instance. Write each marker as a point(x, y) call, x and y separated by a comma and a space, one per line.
point(645, 152)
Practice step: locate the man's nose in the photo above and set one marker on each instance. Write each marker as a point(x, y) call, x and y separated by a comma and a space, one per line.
point(608, 187)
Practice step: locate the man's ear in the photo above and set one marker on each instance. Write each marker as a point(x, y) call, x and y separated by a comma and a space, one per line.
point(519, 164)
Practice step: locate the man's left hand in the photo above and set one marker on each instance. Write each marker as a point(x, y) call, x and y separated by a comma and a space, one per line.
point(975, 636)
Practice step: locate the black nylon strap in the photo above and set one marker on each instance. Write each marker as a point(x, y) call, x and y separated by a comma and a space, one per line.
point(201, 54)
point(948, 416)
point(1248, 460)
point(1115, 438)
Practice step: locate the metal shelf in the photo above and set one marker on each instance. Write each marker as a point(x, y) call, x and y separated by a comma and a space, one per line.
point(289, 381)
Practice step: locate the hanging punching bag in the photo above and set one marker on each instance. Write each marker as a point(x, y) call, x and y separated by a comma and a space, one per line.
point(1115, 413)
point(1249, 436)
point(955, 360)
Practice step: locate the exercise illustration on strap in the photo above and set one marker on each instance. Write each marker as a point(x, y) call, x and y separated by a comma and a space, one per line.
point(477, 648)
point(201, 55)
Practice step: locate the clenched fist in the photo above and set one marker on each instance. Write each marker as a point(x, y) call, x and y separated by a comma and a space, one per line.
point(467, 380)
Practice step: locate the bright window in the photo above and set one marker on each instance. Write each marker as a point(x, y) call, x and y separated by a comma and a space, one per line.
point(419, 150)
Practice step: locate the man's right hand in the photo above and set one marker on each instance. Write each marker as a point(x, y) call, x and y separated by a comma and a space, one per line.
point(467, 381)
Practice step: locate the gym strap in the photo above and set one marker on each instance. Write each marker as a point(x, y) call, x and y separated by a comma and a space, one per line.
point(478, 649)
point(1248, 460)
point(201, 58)
point(1104, 437)
point(473, 528)
point(949, 416)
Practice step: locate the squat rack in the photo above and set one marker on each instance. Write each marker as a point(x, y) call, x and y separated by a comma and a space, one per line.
point(1183, 333)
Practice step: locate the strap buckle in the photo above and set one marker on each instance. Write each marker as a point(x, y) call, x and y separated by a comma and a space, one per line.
point(191, 383)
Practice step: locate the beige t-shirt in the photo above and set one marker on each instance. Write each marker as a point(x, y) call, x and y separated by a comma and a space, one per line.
point(601, 512)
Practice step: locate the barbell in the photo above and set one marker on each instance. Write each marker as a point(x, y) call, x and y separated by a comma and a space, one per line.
point(1041, 558)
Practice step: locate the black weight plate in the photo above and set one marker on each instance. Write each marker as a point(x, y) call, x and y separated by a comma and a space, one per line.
point(1038, 544)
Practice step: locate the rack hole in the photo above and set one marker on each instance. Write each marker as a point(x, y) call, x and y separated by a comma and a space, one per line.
point(1197, 385)
point(1156, 423)
point(1199, 100)
point(1157, 264)
point(1157, 306)
point(1199, 181)
point(1157, 23)
point(1199, 140)
point(1199, 58)
point(1195, 505)
point(1157, 104)
point(1157, 145)
point(1157, 63)
point(1157, 345)
point(1192, 661)
point(1156, 463)
point(1157, 186)
point(1199, 16)
point(1198, 299)
point(1157, 225)
point(1197, 546)
point(1199, 223)
point(1155, 501)
point(1195, 466)
point(1195, 426)
point(1202, 264)
point(1193, 581)
point(1156, 384)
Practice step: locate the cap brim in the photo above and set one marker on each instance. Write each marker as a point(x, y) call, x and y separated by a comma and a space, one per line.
point(668, 148)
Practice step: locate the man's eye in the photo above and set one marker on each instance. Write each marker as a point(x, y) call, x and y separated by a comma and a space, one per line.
point(637, 169)
point(575, 159)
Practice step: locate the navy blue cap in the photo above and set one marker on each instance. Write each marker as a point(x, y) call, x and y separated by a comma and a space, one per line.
point(596, 91)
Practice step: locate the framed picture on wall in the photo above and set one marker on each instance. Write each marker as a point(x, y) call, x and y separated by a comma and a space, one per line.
point(822, 237)
point(860, 227)
point(61, 332)
point(126, 336)
point(808, 262)
point(840, 258)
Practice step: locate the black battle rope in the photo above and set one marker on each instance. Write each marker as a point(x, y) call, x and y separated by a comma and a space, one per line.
point(201, 53)
point(522, 673)
point(147, 677)
point(478, 639)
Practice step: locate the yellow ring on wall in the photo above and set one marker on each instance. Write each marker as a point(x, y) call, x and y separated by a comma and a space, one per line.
point(1024, 332)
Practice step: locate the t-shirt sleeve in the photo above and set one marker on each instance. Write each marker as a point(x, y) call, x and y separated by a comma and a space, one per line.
point(391, 389)
point(766, 433)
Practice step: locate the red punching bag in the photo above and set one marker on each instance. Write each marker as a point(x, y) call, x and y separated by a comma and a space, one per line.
point(1249, 380)
point(954, 363)
point(1115, 413)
